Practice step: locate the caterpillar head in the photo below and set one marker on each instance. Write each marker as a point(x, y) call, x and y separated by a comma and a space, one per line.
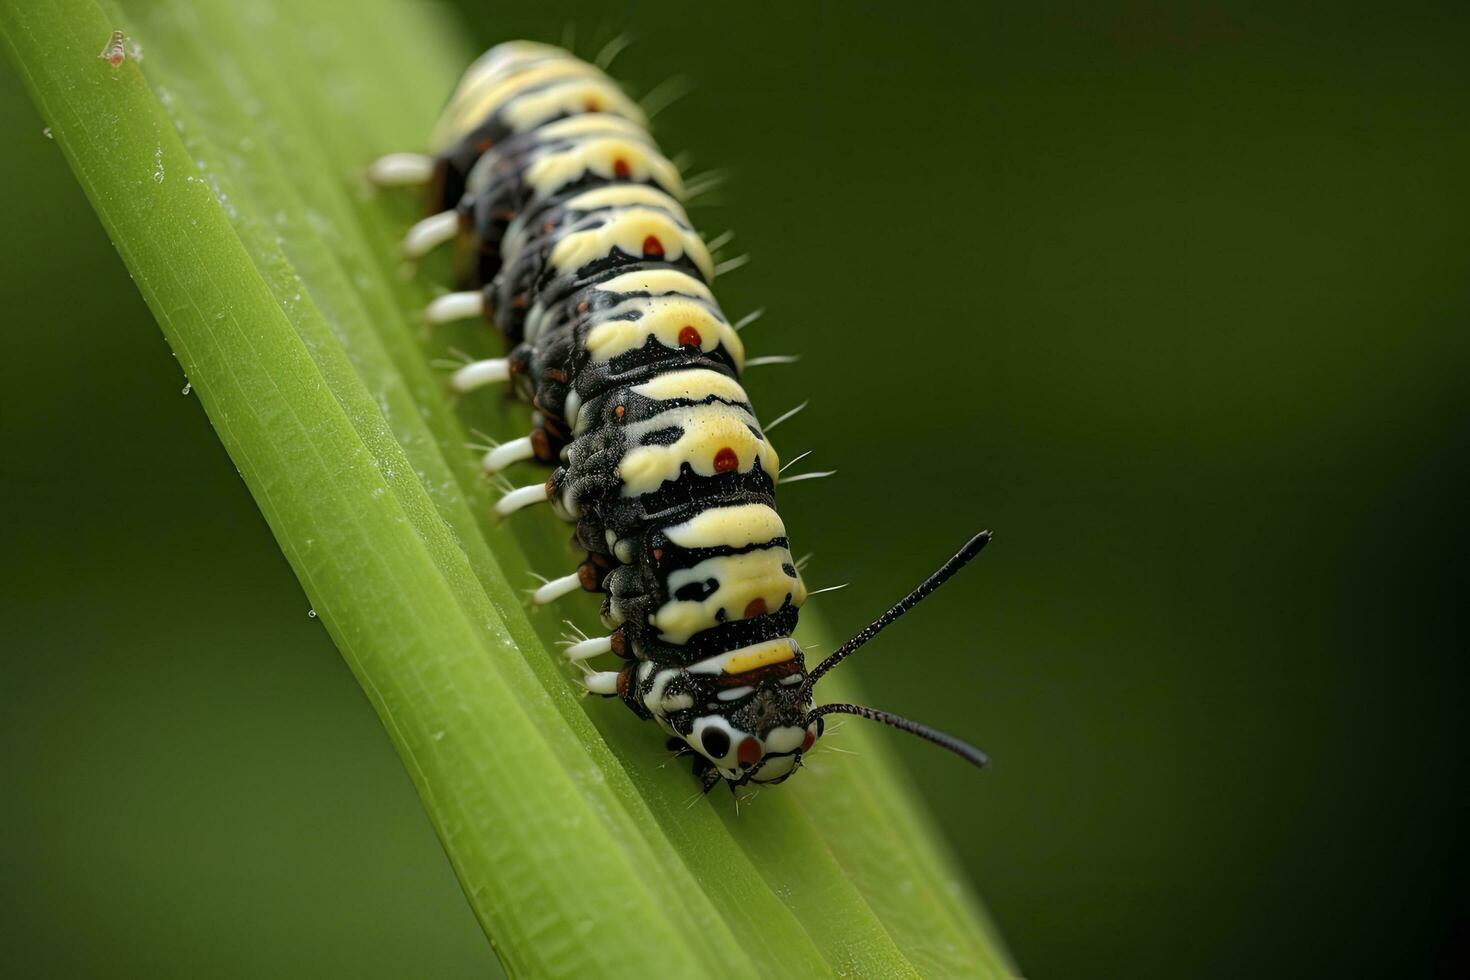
point(761, 736)
point(746, 714)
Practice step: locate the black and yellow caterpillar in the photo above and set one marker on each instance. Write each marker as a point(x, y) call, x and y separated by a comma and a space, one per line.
point(574, 242)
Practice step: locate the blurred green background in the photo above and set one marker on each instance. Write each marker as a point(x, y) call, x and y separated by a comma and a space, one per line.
point(1175, 298)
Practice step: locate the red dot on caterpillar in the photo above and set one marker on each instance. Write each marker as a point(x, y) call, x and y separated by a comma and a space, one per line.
point(755, 608)
point(726, 460)
point(750, 752)
point(652, 247)
point(690, 337)
point(621, 170)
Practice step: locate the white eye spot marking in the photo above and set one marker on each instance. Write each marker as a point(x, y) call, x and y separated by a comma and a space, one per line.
point(735, 693)
point(784, 739)
point(677, 702)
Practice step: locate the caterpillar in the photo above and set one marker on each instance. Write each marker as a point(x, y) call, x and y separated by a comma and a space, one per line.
point(574, 242)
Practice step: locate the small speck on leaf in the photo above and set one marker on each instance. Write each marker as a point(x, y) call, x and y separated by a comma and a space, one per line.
point(114, 53)
point(311, 614)
point(47, 133)
point(188, 387)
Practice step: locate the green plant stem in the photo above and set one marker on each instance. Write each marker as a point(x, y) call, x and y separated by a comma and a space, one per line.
point(225, 165)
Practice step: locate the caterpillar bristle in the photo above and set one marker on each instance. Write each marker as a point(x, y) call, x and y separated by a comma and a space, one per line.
point(610, 51)
point(665, 94)
point(749, 318)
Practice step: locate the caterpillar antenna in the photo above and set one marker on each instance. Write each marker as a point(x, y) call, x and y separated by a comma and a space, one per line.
point(946, 571)
point(960, 748)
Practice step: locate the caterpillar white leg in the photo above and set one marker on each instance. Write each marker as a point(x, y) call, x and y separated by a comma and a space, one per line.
point(587, 649)
point(455, 306)
point(478, 374)
point(555, 589)
point(537, 493)
point(401, 170)
point(602, 682)
point(430, 233)
point(515, 451)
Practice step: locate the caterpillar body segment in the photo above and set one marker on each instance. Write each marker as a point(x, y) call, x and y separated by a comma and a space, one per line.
point(515, 88)
point(573, 240)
